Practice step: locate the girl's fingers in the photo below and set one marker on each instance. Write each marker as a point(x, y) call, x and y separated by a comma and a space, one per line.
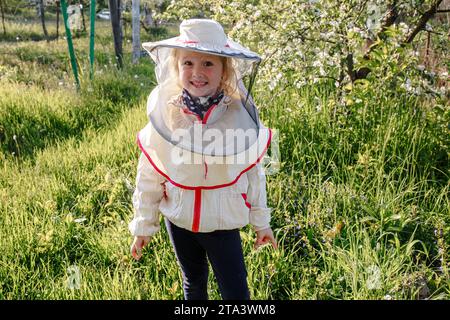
point(274, 243)
point(136, 252)
point(266, 239)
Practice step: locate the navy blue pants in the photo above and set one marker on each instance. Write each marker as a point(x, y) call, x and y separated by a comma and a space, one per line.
point(223, 249)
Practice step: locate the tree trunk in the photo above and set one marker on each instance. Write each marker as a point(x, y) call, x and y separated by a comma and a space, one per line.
point(148, 20)
point(114, 7)
point(135, 22)
point(3, 17)
point(42, 15)
point(58, 7)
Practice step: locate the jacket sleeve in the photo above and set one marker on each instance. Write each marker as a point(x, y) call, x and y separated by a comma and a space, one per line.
point(146, 198)
point(257, 197)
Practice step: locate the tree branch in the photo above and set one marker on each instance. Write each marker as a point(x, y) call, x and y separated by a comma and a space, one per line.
point(389, 19)
point(423, 21)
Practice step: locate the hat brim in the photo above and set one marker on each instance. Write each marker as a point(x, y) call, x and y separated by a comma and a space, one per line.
point(232, 50)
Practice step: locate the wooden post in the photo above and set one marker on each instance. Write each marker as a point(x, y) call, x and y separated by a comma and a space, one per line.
point(91, 40)
point(135, 22)
point(427, 51)
point(82, 15)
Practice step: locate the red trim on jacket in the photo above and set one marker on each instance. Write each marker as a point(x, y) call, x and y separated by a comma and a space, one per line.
point(198, 189)
point(208, 113)
point(187, 111)
point(204, 187)
point(186, 41)
point(244, 195)
point(197, 209)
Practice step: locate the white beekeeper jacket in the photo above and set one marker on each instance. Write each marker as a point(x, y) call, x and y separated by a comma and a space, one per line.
point(190, 169)
point(204, 196)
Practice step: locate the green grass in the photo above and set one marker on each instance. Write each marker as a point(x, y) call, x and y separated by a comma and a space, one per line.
point(360, 204)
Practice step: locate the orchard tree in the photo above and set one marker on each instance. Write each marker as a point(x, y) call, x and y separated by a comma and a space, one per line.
point(152, 7)
point(3, 16)
point(310, 41)
point(114, 7)
point(149, 5)
point(41, 11)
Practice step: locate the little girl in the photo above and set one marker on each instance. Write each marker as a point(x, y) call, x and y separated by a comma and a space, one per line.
point(191, 169)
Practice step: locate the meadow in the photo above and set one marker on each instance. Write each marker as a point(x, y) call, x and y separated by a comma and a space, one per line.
point(360, 201)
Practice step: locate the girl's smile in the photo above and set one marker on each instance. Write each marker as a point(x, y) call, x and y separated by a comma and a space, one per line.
point(200, 74)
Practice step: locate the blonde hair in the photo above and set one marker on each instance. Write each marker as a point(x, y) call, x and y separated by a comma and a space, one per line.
point(229, 78)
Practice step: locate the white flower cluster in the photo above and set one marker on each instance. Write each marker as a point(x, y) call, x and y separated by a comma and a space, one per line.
point(304, 41)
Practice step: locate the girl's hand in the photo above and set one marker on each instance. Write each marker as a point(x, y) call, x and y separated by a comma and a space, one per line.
point(138, 244)
point(265, 236)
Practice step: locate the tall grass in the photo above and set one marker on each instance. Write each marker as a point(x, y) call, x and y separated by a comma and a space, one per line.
point(360, 204)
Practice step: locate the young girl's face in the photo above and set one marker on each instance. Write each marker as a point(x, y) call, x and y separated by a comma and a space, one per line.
point(200, 74)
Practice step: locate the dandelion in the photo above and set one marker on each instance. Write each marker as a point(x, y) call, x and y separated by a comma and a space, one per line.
point(272, 85)
point(387, 297)
point(407, 85)
point(403, 26)
point(14, 137)
point(74, 277)
point(136, 76)
point(142, 84)
point(80, 220)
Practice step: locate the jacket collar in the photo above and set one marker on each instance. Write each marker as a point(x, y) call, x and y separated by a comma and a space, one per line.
point(213, 114)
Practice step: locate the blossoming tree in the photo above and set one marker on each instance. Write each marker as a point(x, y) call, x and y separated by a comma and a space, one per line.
point(309, 41)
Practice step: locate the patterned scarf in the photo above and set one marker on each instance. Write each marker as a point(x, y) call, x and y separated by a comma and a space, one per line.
point(200, 105)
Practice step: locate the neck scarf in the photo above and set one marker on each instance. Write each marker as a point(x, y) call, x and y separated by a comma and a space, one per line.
point(200, 105)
